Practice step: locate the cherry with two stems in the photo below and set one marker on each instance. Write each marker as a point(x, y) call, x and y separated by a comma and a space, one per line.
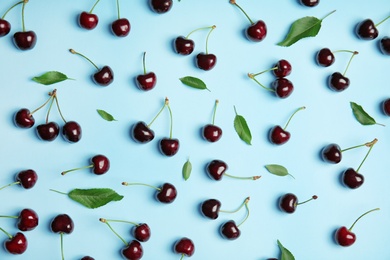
point(140, 231)
point(160, 6)
point(88, 20)
point(62, 224)
point(216, 169)
point(99, 164)
point(16, 244)
point(212, 207)
point(332, 153)
point(257, 31)
point(169, 146)
point(344, 236)
point(24, 40)
point(230, 230)
point(339, 82)
point(309, 3)
point(27, 219)
point(26, 179)
point(146, 81)
point(185, 247)
point(205, 60)
point(184, 45)
point(279, 135)
point(166, 193)
point(104, 76)
point(212, 132)
point(289, 202)
point(367, 29)
point(132, 250)
point(121, 26)
point(353, 179)
point(5, 26)
point(325, 57)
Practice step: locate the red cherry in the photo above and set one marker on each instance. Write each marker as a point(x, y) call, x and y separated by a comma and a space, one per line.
point(16, 244)
point(28, 220)
point(88, 21)
point(184, 246)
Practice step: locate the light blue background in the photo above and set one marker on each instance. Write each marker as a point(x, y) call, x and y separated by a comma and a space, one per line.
point(308, 233)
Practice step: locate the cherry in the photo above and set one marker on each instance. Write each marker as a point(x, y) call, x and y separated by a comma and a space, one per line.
point(230, 230)
point(24, 119)
point(211, 132)
point(344, 236)
point(289, 202)
point(367, 30)
point(386, 107)
point(279, 135)
point(167, 193)
point(72, 132)
point(27, 220)
point(140, 231)
point(88, 20)
point(216, 169)
point(183, 45)
point(62, 224)
point(325, 57)
point(16, 244)
point(339, 82)
point(133, 251)
point(24, 40)
point(160, 6)
point(121, 26)
point(87, 258)
point(309, 3)
point(169, 146)
point(283, 87)
point(26, 178)
point(48, 131)
point(332, 153)
point(205, 60)
point(384, 45)
point(184, 246)
point(100, 164)
point(146, 81)
point(103, 77)
point(257, 31)
point(282, 69)
point(210, 208)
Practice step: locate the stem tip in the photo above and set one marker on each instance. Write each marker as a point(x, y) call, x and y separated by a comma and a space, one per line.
point(125, 183)
point(103, 220)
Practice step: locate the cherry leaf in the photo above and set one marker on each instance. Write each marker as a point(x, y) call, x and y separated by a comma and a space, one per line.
point(194, 82)
point(277, 169)
point(361, 116)
point(105, 115)
point(50, 77)
point(285, 253)
point(187, 168)
point(242, 129)
point(308, 26)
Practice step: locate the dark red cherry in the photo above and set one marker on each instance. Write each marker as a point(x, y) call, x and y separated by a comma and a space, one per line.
point(141, 232)
point(283, 87)
point(283, 69)
point(211, 133)
point(331, 153)
point(338, 82)
point(352, 179)
point(121, 27)
point(386, 107)
point(384, 45)
point(5, 27)
point(309, 3)
point(141, 133)
point(229, 230)
point(210, 208)
point(48, 131)
point(344, 237)
point(25, 40)
point(62, 223)
point(169, 146)
point(325, 57)
point(161, 6)
point(216, 168)
point(133, 251)
point(27, 178)
point(167, 193)
point(278, 135)
point(28, 220)
point(183, 45)
point(17, 244)
point(71, 132)
point(206, 61)
point(184, 246)
point(87, 258)
point(88, 21)
point(101, 164)
point(257, 31)
point(146, 81)
point(366, 30)
point(104, 76)
point(288, 203)
point(24, 119)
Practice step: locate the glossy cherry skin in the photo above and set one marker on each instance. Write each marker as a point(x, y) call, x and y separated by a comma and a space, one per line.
point(206, 61)
point(344, 237)
point(17, 244)
point(146, 81)
point(71, 132)
point(257, 31)
point(229, 230)
point(104, 77)
point(184, 246)
point(87, 258)
point(278, 135)
point(88, 21)
point(384, 45)
point(169, 146)
point(25, 40)
point(386, 107)
point(215, 169)
point(309, 3)
point(121, 27)
point(62, 223)
point(210, 208)
point(331, 153)
point(283, 69)
point(211, 133)
point(161, 6)
point(325, 57)
point(24, 119)
point(141, 133)
point(27, 178)
point(183, 45)
point(283, 87)
point(133, 251)
point(167, 193)
point(101, 164)
point(338, 82)
point(48, 132)
point(28, 220)
point(352, 179)
point(366, 30)
point(141, 232)
point(5, 27)
point(288, 203)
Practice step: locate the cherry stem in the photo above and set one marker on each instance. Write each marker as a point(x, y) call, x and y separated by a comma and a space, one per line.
point(368, 144)
point(349, 62)
point(157, 114)
point(171, 117)
point(376, 25)
point(59, 110)
point(117, 4)
point(143, 62)
point(368, 152)
point(343, 51)
point(261, 72)
point(328, 14)
point(121, 221)
point(48, 111)
point(60, 192)
point(288, 122)
point(1, 216)
point(234, 211)
point(252, 76)
point(314, 197)
point(93, 7)
point(202, 28)
point(247, 211)
point(24, 4)
point(85, 57)
point(44, 104)
point(9, 9)
point(361, 217)
point(243, 178)
point(207, 38)
point(5, 232)
point(76, 169)
point(182, 256)
point(215, 110)
point(138, 183)
point(14, 183)
point(242, 10)
point(108, 224)
point(62, 245)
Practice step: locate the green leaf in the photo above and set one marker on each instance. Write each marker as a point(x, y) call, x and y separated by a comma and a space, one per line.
point(361, 115)
point(242, 129)
point(277, 169)
point(308, 26)
point(94, 198)
point(194, 82)
point(50, 77)
point(105, 115)
point(187, 168)
point(285, 253)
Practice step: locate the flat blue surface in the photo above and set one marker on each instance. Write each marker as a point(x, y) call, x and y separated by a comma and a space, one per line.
point(308, 233)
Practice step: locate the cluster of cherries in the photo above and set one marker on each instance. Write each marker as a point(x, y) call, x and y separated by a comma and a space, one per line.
point(48, 131)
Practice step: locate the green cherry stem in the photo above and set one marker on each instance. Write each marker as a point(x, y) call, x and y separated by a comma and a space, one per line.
point(368, 144)
point(314, 197)
point(62, 245)
point(23, 5)
point(5, 232)
point(170, 116)
point(288, 122)
point(252, 76)
point(368, 152)
point(108, 224)
point(93, 7)
point(207, 38)
point(361, 217)
point(48, 111)
point(165, 104)
point(9, 9)
point(122, 221)
point(236, 210)
point(117, 7)
point(58, 108)
point(85, 57)
point(247, 211)
point(376, 25)
point(11, 184)
point(76, 169)
point(143, 62)
point(3, 216)
point(138, 183)
point(328, 15)
point(242, 10)
point(243, 178)
point(344, 51)
point(349, 62)
point(202, 28)
point(44, 104)
point(215, 110)
point(59, 192)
